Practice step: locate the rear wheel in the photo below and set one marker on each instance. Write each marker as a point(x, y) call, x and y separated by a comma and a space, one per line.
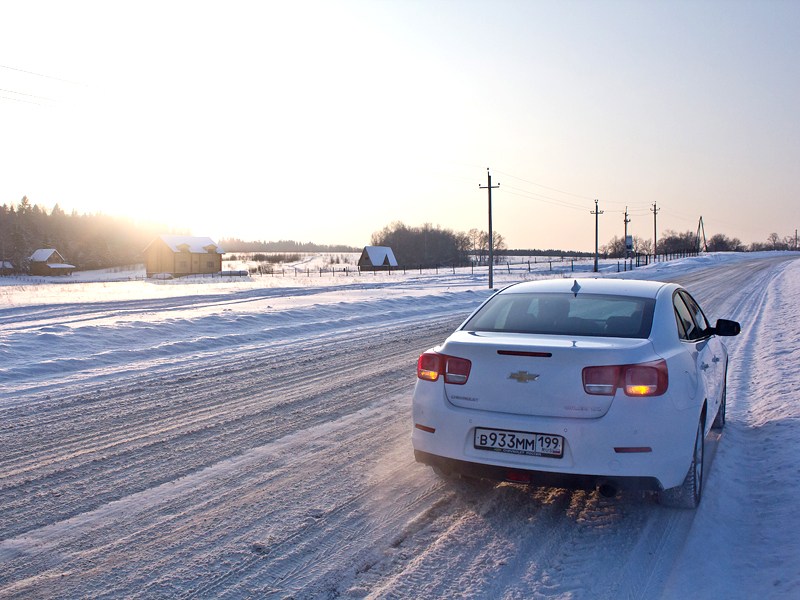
point(687, 494)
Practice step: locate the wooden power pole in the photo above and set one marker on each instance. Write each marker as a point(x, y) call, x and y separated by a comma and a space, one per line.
point(490, 187)
point(596, 212)
point(626, 220)
point(655, 210)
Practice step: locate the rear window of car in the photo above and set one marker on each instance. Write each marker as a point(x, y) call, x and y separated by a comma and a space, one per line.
point(565, 314)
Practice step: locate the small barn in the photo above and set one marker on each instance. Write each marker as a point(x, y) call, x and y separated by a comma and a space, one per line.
point(6, 267)
point(180, 255)
point(376, 258)
point(48, 261)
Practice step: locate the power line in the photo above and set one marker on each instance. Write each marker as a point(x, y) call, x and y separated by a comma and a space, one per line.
point(545, 187)
point(636, 211)
point(21, 100)
point(582, 197)
point(39, 75)
point(545, 199)
point(24, 94)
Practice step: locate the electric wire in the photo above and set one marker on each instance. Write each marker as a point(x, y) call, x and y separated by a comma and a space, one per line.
point(20, 100)
point(544, 186)
point(540, 197)
point(634, 210)
point(39, 74)
point(537, 196)
point(23, 99)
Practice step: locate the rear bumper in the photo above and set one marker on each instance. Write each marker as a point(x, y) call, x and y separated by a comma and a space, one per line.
point(451, 466)
point(642, 443)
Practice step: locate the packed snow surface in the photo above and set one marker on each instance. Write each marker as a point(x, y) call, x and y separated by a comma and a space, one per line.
point(251, 439)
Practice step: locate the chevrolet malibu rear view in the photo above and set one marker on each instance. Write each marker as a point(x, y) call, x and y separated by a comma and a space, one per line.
point(582, 384)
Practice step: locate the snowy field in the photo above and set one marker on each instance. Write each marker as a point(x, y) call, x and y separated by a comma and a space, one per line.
point(250, 438)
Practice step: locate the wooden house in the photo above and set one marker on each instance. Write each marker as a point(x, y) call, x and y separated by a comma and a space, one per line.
point(179, 255)
point(48, 261)
point(6, 267)
point(376, 258)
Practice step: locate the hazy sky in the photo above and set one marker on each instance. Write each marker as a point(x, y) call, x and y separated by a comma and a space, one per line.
point(326, 121)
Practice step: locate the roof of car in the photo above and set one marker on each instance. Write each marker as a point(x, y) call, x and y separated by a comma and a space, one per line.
point(622, 287)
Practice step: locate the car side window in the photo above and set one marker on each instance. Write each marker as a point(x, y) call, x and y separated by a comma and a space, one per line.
point(686, 326)
point(698, 317)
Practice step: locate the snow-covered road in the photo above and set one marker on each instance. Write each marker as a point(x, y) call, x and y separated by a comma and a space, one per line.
point(255, 444)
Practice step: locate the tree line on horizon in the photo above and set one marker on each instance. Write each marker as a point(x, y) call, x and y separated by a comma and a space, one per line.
point(672, 242)
point(430, 245)
point(433, 246)
point(97, 241)
point(237, 245)
point(87, 241)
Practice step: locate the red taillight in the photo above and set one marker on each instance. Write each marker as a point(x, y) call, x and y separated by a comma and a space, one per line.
point(649, 379)
point(428, 367)
point(646, 379)
point(455, 370)
point(601, 381)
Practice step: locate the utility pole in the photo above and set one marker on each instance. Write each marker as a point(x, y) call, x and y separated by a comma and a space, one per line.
point(490, 187)
point(626, 220)
point(596, 212)
point(654, 210)
point(701, 227)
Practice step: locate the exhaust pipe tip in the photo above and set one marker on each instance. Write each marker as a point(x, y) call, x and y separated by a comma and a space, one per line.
point(607, 490)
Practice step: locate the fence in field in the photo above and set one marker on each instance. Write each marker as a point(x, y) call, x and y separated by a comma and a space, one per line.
point(533, 265)
point(511, 265)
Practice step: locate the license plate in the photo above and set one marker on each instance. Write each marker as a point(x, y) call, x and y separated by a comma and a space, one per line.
point(519, 442)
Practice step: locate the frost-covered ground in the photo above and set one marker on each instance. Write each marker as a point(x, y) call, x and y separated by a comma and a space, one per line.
point(250, 438)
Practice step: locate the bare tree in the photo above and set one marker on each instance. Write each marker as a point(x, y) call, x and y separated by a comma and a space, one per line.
point(721, 243)
point(614, 249)
point(774, 240)
point(642, 246)
point(428, 245)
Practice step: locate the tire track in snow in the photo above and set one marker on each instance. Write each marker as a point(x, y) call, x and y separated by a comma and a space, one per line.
point(333, 504)
point(642, 541)
point(760, 441)
point(132, 438)
point(292, 532)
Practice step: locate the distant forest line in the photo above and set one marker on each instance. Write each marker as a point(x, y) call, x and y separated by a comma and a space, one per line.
point(87, 241)
point(237, 245)
point(97, 241)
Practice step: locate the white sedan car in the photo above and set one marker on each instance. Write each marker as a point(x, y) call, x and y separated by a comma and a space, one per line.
point(582, 384)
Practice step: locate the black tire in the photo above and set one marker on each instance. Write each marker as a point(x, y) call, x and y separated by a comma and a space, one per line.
point(719, 420)
point(689, 493)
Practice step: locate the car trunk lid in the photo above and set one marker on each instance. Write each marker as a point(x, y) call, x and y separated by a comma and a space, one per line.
point(536, 375)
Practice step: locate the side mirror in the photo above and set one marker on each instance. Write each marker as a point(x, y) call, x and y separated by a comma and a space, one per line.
point(727, 328)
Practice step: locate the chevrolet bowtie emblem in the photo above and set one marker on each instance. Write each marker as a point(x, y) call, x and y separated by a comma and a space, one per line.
point(523, 376)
